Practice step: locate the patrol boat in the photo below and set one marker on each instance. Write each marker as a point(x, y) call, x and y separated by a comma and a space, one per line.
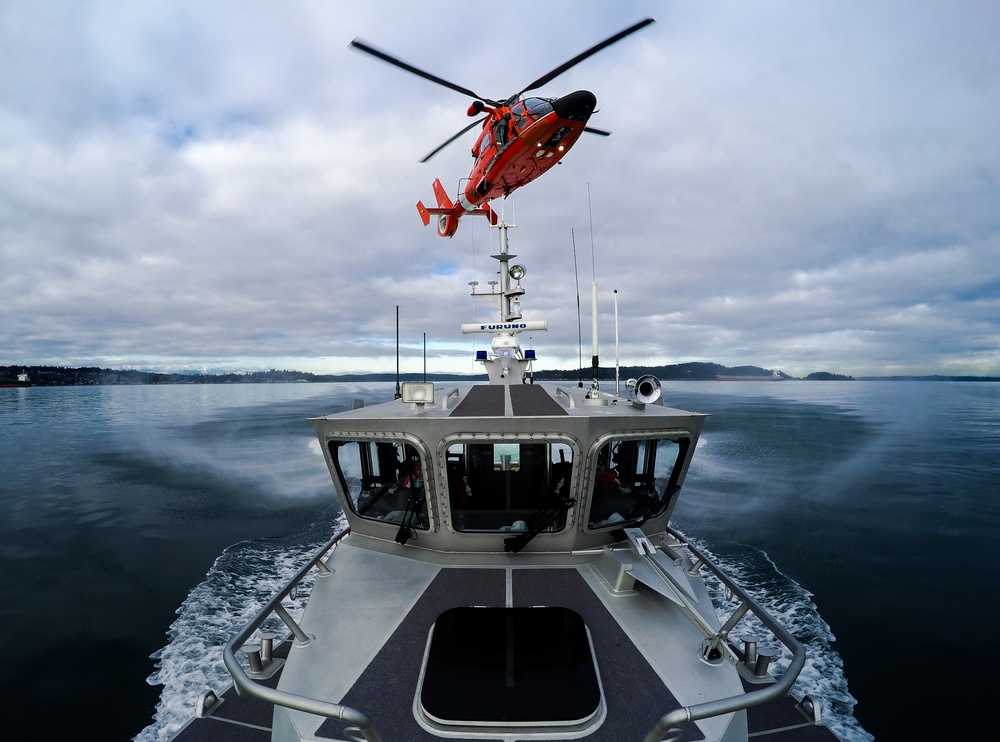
point(508, 572)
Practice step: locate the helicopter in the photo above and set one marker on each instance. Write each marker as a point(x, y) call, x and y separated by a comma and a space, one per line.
point(521, 138)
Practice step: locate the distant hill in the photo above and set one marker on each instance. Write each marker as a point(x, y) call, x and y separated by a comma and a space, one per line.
point(694, 371)
point(93, 376)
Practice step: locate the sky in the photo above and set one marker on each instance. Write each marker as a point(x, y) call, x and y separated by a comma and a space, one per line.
point(229, 186)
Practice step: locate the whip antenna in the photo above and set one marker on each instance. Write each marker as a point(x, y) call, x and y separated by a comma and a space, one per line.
point(617, 375)
point(398, 394)
point(595, 362)
point(579, 318)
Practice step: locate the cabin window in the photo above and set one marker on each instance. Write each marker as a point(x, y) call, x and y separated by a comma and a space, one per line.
point(383, 480)
point(513, 487)
point(635, 480)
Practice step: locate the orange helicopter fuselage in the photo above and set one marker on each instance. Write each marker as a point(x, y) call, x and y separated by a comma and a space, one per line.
point(517, 144)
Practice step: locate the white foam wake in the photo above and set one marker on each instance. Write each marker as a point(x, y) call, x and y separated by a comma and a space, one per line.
point(237, 586)
point(822, 677)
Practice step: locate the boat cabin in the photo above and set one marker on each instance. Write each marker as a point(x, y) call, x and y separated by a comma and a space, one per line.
point(507, 467)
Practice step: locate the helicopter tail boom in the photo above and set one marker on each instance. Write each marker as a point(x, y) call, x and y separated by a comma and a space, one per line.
point(448, 213)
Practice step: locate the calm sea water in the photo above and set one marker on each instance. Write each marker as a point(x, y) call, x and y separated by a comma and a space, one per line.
point(140, 526)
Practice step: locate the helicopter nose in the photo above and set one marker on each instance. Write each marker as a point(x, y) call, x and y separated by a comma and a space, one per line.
point(576, 106)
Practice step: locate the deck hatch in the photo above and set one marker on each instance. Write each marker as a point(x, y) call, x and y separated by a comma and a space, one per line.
point(510, 666)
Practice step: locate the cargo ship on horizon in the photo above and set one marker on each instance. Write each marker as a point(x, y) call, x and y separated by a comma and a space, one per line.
point(22, 381)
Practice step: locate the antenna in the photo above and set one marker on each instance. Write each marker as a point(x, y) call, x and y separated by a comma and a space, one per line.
point(579, 319)
point(425, 357)
point(590, 209)
point(595, 362)
point(472, 284)
point(398, 394)
point(616, 344)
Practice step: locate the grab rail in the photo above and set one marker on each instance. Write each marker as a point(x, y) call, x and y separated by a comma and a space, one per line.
point(670, 722)
point(246, 685)
point(451, 393)
point(571, 400)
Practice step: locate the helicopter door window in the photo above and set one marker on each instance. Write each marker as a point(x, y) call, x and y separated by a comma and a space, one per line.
point(635, 480)
point(501, 130)
point(484, 143)
point(509, 487)
point(381, 480)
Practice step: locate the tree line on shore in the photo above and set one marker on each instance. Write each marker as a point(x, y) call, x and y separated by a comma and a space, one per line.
point(93, 375)
point(693, 371)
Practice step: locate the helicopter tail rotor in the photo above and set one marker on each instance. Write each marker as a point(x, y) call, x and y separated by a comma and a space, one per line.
point(448, 213)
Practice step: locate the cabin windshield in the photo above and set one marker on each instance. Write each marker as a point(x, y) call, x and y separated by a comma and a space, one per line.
point(635, 480)
point(513, 487)
point(382, 480)
point(528, 110)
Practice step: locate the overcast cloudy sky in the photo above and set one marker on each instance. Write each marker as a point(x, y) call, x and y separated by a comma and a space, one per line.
point(226, 185)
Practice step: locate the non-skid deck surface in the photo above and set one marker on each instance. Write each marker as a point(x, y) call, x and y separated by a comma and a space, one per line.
point(482, 401)
point(385, 691)
point(530, 400)
point(526, 400)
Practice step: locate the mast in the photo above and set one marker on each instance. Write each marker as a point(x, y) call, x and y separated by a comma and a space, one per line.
point(506, 363)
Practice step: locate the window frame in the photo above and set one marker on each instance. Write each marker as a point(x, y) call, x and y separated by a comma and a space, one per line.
point(669, 492)
point(450, 495)
point(349, 500)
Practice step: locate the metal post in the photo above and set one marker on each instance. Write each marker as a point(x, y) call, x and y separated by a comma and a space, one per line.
point(252, 651)
point(764, 657)
point(266, 647)
point(750, 650)
point(300, 636)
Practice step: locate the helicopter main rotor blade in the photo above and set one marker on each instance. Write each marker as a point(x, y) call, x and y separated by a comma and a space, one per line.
point(433, 152)
point(544, 79)
point(386, 57)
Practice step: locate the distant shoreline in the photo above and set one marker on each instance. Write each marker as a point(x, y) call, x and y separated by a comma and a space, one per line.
point(695, 371)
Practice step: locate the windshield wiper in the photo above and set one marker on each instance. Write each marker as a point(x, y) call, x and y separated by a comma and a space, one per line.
point(406, 532)
point(538, 522)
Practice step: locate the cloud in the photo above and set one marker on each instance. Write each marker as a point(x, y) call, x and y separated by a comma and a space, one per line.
point(805, 187)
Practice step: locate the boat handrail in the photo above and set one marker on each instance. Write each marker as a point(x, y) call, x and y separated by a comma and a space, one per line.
point(670, 721)
point(451, 393)
point(569, 397)
point(250, 687)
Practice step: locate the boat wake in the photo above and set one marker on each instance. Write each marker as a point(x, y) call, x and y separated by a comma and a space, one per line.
point(823, 676)
point(237, 586)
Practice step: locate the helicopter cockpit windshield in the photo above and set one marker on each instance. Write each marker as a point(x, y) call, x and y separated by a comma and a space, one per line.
point(528, 110)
